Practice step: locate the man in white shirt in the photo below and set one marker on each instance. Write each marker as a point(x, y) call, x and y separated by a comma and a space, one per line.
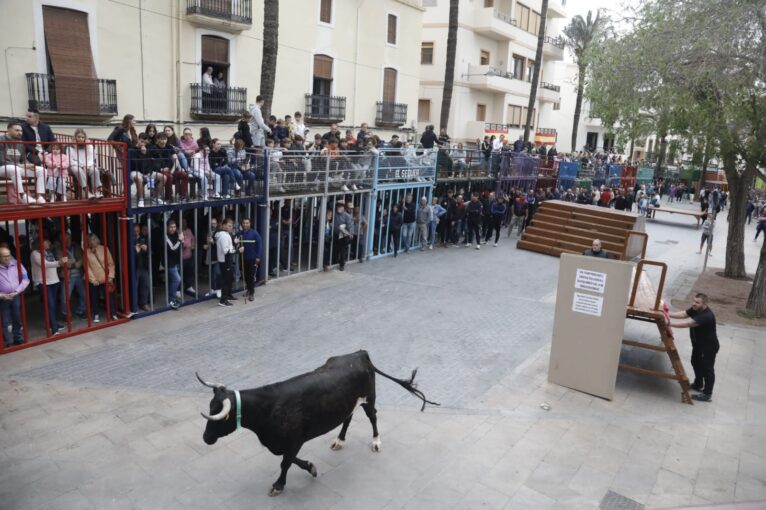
point(297, 127)
point(207, 89)
point(257, 127)
point(226, 254)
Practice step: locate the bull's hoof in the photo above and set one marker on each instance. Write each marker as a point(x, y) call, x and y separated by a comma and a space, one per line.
point(337, 444)
point(275, 491)
point(375, 446)
point(312, 470)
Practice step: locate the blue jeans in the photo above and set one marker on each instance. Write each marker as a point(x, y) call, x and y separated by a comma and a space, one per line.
point(75, 283)
point(226, 176)
point(432, 233)
point(52, 290)
point(174, 282)
point(182, 160)
point(11, 314)
point(249, 176)
point(458, 232)
point(408, 232)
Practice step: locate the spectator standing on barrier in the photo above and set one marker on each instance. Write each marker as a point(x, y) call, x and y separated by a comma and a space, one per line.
point(497, 211)
point(474, 214)
point(100, 269)
point(141, 248)
point(595, 250)
point(13, 282)
point(75, 260)
point(173, 246)
point(341, 234)
point(395, 220)
point(518, 145)
point(424, 217)
point(485, 147)
point(82, 166)
point(429, 138)
point(408, 228)
point(35, 131)
point(257, 127)
point(702, 324)
point(52, 282)
point(707, 234)
point(226, 259)
point(15, 168)
point(251, 255)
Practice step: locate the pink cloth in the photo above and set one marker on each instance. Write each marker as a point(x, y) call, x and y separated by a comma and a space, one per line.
point(55, 163)
point(666, 311)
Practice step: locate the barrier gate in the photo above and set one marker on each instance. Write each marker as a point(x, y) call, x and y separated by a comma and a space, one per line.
point(465, 171)
point(518, 172)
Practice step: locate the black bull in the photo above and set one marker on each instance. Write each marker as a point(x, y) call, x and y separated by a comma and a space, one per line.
point(286, 414)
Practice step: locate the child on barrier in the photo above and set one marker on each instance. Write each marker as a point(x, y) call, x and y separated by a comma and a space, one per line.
point(55, 181)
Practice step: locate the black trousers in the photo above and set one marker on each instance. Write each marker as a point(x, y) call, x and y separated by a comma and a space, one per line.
point(471, 229)
point(227, 276)
point(495, 224)
point(703, 363)
point(250, 270)
point(340, 247)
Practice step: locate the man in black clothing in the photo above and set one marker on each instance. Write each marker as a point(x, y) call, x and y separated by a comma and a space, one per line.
point(621, 202)
point(428, 139)
point(474, 213)
point(701, 321)
point(596, 251)
point(141, 246)
point(35, 131)
point(447, 220)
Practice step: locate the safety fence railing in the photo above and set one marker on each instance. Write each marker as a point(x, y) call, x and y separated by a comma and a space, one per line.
point(518, 171)
point(310, 172)
point(53, 173)
point(466, 164)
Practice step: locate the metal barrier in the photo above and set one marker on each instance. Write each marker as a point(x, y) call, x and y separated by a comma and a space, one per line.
point(465, 171)
point(60, 173)
point(518, 172)
point(567, 176)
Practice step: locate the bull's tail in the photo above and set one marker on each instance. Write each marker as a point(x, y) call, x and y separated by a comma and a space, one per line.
point(409, 386)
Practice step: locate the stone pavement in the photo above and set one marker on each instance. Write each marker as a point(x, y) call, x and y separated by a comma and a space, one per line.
point(111, 419)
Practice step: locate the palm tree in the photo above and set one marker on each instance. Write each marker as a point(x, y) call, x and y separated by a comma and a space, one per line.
point(536, 71)
point(269, 57)
point(580, 36)
point(449, 70)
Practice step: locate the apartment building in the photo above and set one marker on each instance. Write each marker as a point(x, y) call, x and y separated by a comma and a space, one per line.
point(89, 62)
point(496, 46)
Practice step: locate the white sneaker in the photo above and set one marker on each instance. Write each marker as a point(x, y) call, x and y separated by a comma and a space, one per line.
point(430, 246)
point(41, 200)
point(218, 293)
point(353, 187)
point(344, 188)
point(467, 245)
point(495, 245)
point(140, 203)
point(158, 200)
point(191, 290)
point(99, 194)
point(178, 293)
point(26, 199)
point(237, 187)
point(96, 318)
point(478, 247)
point(91, 195)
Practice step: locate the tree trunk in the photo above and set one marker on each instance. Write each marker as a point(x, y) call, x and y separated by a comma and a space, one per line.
point(578, 104)
point(663, 137)
point(449, 70)
point(757, 299)
point(705, 161)
point(630, 153)
point(536, 72)
point(735, 242)
point(269, 57)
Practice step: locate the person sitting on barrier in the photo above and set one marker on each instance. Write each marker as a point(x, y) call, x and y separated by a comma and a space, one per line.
point(56, 167)
point(239, 162)
point(82, 166)
point(175, 144)
point(35, 131)
point(165, 162)
point(458, 156)
point(276, 172)
point(13, 283)
point(141, 166)
point(596, 251)
point(334, 132)
point(151, 132)
point(16, 169)
point(218, 162)
point(200, 170)
point(100, 277)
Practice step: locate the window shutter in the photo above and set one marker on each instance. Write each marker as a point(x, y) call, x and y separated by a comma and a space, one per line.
point(481, 112)
point(424, 110)
point(391, 29)
point(427, 53)
point(68, 43)
point(389, 85)
point(325, 11)
point(323, 67)
point(215, 50)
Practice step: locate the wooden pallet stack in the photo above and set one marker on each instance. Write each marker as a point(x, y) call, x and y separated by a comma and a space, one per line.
point(565, 227)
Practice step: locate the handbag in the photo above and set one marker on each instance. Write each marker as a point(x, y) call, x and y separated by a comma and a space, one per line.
point(108, 286)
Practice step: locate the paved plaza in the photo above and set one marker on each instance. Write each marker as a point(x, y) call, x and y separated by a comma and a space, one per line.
point(111, 419)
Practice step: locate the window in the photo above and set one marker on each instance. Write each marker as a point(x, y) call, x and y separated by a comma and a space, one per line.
point(556, 106)
point(389, 85)
point(534, 23)
point(530, 70)
point(489, 3)
point(325, 11)
point(484, 58)
point(514, 115)
point(67, 43)
point(427, 53)
point(215, 54)
point(527, 19)
point(391, 37)
point(481, 112)
point(524, 117)
point(424, 110)
point(518, 67)
point(322, 85)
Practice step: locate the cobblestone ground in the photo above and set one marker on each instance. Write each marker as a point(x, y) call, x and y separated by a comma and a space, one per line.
point(110, 419)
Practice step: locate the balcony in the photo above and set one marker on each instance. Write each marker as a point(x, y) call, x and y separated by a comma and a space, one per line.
point(324, 109)
point(549, 92)
point(553, 48)
point(496, 80)
point(390, 114)
point(494, 24)
point(556, 9)
point(230, 15)
point(216, 102)
point(72, 97)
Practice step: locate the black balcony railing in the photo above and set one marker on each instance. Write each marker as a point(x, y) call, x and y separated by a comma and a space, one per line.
point(238, 11)
point(546, 131)
point(554, 41)
point(550, 86)
point(217, 101)
point(71, 94)
point(505, 17)
point(325, 108)
point(390, 114)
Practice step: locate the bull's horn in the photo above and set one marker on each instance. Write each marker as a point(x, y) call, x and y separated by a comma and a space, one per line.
point(209, 385)
point(223, 414)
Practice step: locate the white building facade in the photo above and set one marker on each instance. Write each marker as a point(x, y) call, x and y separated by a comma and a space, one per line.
point(89, 62)
point(497, 41)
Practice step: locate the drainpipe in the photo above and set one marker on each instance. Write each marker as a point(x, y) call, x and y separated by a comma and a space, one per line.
point(178, 64)
point(356, 64)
